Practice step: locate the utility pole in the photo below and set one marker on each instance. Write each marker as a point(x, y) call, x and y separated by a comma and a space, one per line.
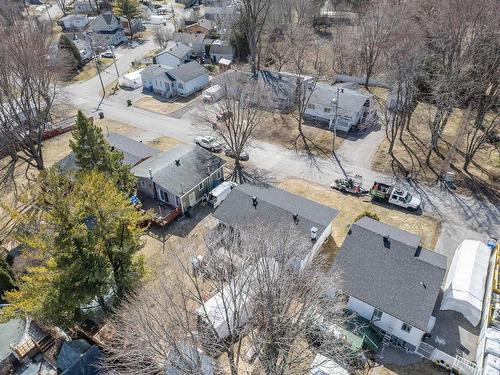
point(336, 100)
point(96, 59)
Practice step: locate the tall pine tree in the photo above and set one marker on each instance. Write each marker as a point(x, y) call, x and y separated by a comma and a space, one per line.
point(130, 9)
point(87, 238)
point(93, 152)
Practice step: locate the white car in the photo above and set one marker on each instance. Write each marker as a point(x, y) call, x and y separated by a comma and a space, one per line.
point(209, 143)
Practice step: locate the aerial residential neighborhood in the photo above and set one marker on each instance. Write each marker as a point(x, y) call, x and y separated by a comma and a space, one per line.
point(212, 187)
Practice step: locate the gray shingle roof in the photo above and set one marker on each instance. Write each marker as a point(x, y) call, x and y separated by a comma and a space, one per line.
point(133, 152)
point(350, 101)
point(179, 179)
point(180, 50)
point(396, 276)
point(187, 72)
point(274, 206)
point(187, 38)
point(221, 49)
point(154, 70)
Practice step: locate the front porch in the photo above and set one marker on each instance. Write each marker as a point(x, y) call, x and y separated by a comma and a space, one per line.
point(163, 213)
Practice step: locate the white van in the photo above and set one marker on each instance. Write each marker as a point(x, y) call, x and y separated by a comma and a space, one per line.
point(213, 94)
point(217, 195)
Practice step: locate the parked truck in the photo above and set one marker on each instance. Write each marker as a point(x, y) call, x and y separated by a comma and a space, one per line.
point(395, 195)
point(217, 195)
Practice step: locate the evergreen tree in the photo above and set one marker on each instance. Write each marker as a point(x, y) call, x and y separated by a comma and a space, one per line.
point(72, 52)
point(93, 152)
point(130, 9)
point(86, 243)
point(6, 279)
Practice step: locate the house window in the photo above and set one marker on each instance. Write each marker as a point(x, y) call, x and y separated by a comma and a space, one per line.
point(163, 196)
point(179, 85)
point(219, 174)
point(377, 314)
point(311, 106)
point(326, 110)
point(405, 327)
point(200, 188)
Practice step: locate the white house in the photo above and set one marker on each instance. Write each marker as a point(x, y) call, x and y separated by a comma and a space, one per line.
point(269, 205)
point(221, 51)
point(85, 49)
point(390, 280)
point(355, 108)
point(154, 78)
point(74, 22)
point(174, 55)
point(107, 30)
point(188, 78)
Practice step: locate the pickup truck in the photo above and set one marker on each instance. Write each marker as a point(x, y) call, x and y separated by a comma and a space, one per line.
point(394, 195)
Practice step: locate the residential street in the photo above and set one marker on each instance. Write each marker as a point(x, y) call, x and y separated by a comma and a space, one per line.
point(459, 214)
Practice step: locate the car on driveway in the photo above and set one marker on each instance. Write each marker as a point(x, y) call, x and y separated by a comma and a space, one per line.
point(243, 156)
point(108, 54)
point(209, 143)
point(224, 115)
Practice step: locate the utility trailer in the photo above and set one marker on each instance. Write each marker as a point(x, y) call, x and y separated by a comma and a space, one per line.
point(351, 185)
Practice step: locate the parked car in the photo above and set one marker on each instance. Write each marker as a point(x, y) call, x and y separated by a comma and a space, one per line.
point(133, 43)
point(224, 115)
point(108, 54)
point(208, 143)
point(243, 156)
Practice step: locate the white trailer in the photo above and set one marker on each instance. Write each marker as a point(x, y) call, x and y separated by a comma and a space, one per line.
point(213, 94)
point(158, 20)
point(217, 195)
point(131, 80)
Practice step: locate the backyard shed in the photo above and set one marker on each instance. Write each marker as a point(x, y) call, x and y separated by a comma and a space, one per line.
point(132, 80)
point(466, 281)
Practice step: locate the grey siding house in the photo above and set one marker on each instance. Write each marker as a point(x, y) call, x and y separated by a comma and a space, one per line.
point(178, 178)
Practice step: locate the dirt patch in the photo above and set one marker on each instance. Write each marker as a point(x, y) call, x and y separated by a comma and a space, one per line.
point(351, 207)
point(111, 89)
point(282, 129)
point(411, 153)
point(163, 143)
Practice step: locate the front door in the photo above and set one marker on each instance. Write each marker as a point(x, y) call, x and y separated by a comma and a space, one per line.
point(192, 199)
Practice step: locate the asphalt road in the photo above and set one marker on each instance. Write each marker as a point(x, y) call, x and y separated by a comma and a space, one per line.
point(462, 216)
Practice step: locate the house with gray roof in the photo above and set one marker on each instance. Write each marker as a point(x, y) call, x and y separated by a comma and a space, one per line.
point(248, 204)
point(355, 108)
point(193, 40)
point(220, 50)
point(134, 152)
point(183, 80)
point(179, 177)
point(391, 280)
point(107, 30)
point(173, 56)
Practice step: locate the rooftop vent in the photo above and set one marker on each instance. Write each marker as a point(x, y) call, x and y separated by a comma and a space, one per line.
point(177, 162)
point(422, 283)
point(296, 218)
point(254, 201)
point(314, 233)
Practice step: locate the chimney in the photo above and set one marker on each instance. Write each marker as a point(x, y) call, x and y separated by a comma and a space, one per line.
point(314, 232)
point(177, 162)
point(296, 218)
point(150, 174)
point(387, 241)
point(254, 201)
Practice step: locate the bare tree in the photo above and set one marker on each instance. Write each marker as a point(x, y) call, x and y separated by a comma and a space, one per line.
point(254, 15)
point(62, 4)
point(235, 118)
point(161, 36)
point(28, 83)
point(261, 303)
point(374, 34)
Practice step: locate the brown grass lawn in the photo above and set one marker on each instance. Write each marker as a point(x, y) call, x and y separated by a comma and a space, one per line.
point(90, 70)
point(111, 89)
point(153, 104)
point(163, 143)
point(282, 129)
point(486, 169)
point(350, 207)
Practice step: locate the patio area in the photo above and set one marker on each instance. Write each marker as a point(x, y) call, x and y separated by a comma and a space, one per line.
point(163, 212)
